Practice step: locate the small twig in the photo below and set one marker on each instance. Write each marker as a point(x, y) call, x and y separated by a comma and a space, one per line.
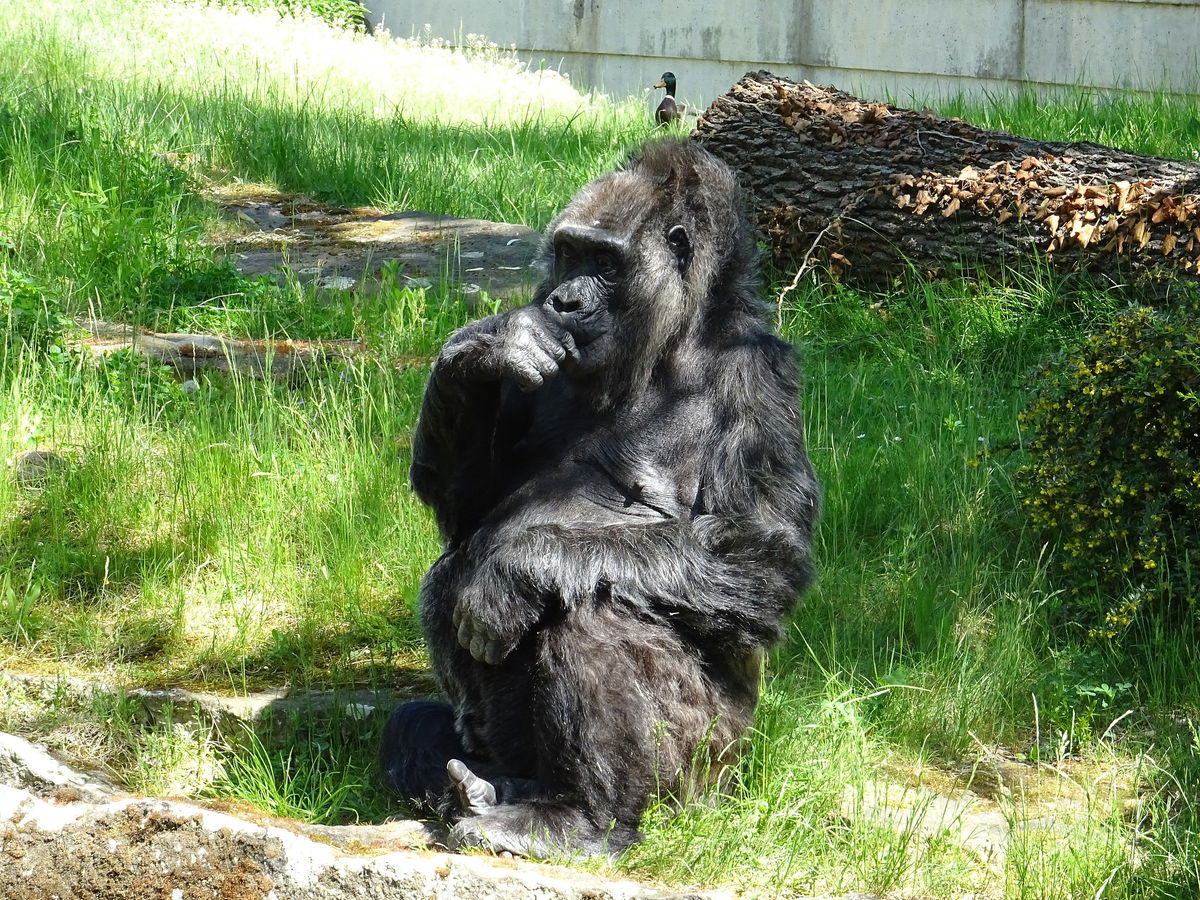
point(804, 267)
point(953, 137)
point(847, 208)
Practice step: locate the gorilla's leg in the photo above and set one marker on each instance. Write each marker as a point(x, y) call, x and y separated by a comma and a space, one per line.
point(622, 710)
point(420, 743)
point(418, 740)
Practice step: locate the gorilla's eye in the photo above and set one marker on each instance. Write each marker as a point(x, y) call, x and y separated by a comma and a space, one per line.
point(607, 264)
point(566, 254)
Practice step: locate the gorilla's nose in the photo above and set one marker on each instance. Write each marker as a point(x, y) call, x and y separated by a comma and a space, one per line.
point(566, 304)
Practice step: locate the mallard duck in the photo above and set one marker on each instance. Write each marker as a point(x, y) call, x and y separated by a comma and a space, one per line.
point(668, 111)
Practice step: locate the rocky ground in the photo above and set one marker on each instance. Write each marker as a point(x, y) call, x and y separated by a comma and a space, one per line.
point(270, 233)
point(66, 833)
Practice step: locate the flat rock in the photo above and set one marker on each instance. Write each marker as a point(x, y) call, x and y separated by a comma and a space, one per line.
point(277, 234)
point(135, 847)
point(64, 833)
point(29, 767)
point(192, 354)
point(1006, 802)
point(228, 714)
point(971, 822)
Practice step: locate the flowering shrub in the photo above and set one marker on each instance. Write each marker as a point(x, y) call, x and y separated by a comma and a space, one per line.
point(1115, 473)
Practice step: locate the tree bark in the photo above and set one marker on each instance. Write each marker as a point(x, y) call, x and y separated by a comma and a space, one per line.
point(866, 190)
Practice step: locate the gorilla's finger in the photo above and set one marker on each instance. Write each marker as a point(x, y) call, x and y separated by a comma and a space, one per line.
point(545, 362)
point(478, 648)
point(494, 653)
point(464, 633)
point(527, 375)
point(546, 330)
point(475, 795)
point(570, 351)
point(561, 335)
point(556, 342)
point(531, 334)
point(530, 381)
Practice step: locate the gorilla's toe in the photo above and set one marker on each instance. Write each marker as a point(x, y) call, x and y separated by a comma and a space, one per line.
point(475, 796)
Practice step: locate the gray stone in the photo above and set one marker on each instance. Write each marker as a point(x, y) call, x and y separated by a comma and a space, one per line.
point(29, 767)
point(337, 248)
point(31, 468)
point(163, 848)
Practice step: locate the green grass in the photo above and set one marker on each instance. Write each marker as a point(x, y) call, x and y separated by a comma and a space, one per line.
point(253, 534)
point(97, 102)
point(1159, 124)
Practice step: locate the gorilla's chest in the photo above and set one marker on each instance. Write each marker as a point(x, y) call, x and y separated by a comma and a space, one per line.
point(640, 464)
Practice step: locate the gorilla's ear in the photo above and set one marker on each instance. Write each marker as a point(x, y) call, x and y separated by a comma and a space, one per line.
point(681, 247)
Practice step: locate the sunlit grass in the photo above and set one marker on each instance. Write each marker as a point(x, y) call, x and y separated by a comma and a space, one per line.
point(294, 62)
point(113, 115)
point(196, 532)
point(254, 533)
point(1156, 123)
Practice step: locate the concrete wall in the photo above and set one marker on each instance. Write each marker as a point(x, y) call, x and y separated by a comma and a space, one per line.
point(885, 49)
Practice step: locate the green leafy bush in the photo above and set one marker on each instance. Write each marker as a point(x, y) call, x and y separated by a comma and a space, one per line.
point(1115, 473)
point(30, 317)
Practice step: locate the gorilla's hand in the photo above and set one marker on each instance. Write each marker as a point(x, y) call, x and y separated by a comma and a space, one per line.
point(526, 345)
point(486, 642)
point(532, 348)
point(494, 610)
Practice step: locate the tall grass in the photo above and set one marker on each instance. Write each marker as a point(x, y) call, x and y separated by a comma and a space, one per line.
point(1157, 123)
point(254, 533)
point(100, 102)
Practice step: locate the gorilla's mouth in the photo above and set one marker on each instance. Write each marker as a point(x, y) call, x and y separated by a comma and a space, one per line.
point(586, 326)
point(586, 339)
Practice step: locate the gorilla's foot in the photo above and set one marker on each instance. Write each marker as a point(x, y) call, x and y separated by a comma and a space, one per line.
point(475, 796)
point(417, 742)
point(539, 830)
point(512, 829)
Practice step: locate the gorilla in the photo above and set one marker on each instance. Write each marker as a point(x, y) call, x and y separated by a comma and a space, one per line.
point(619, 475)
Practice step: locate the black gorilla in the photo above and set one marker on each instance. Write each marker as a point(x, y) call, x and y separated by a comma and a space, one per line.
point(619, 474)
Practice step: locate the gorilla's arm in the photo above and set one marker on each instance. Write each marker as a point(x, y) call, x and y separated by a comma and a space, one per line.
point(760, 498)
point(453, 469)
point(726, 575)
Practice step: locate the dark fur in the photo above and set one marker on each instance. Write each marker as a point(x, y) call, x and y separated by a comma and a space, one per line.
point(618, 470)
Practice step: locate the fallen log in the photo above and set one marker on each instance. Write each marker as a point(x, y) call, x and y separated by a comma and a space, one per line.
point(864, 190)
point(192, 354)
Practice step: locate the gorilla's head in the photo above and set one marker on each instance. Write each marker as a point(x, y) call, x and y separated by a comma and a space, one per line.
point(644, 258)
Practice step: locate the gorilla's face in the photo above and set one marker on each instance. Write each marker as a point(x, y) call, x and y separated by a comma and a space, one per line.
point(588, 284)
point(617, 291)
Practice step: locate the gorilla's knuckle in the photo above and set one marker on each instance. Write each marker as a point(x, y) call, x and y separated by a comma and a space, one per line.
point(529, 378)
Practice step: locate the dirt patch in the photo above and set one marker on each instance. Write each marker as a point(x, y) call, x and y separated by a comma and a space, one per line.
point(290, 235)
point(144, 852)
